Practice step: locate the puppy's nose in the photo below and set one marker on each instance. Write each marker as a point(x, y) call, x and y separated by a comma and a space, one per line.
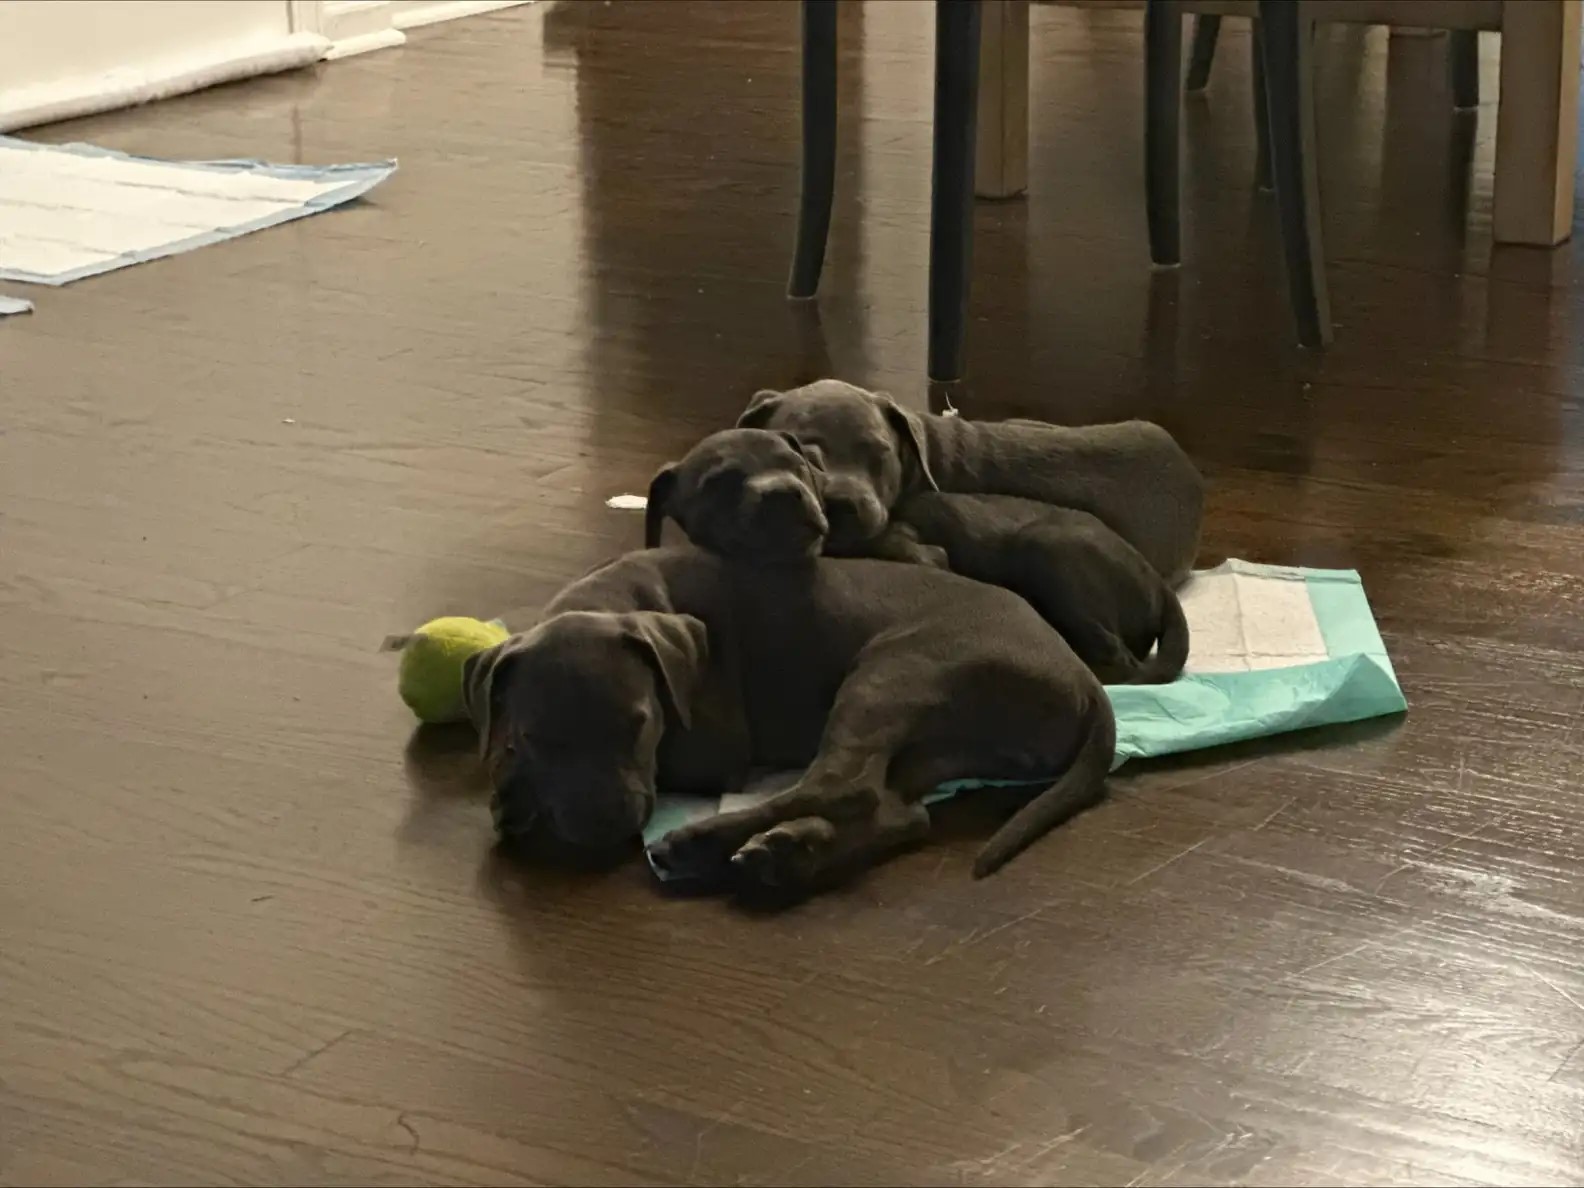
point(843, 514)
point(786, 507)
point(779, 504)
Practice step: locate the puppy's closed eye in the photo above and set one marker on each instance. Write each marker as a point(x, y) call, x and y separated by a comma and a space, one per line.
point(871, 452)
point(814, 453)
point(728, 480)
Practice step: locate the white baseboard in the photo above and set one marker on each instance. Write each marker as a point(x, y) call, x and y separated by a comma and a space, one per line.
point(361, 43)
point(411, 14)
point(357, 26)
point(70, 98)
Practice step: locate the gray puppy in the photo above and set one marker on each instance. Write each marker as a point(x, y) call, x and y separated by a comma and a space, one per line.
point(674, 669)
point(1132, 476)
point(1088, 583)
point(758, 496)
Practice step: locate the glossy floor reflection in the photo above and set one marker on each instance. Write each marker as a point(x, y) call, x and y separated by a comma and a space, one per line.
point(249, 933)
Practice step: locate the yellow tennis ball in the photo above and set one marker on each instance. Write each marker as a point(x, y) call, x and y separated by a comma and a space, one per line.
point(430, 677)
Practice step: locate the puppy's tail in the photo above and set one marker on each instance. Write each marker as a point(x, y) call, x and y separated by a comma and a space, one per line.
point(1171, 647)
point(1080, 787)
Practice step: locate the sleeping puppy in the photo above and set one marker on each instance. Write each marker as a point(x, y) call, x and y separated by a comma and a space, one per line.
point(1131, 476)
point(676, 670)
point(757, 496)
point(1084, 580)
point(763, 497)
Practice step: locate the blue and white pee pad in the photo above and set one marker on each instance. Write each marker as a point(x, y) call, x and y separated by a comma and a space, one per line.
point(75, 210)
point(1274, 649)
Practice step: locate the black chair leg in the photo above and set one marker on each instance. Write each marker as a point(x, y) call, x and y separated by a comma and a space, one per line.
point(1201, 55)
point(1464, 54)
point(1285, 30)
point(951, 193)
point(1262, 165)
point(1162, 113)
point(819, 147)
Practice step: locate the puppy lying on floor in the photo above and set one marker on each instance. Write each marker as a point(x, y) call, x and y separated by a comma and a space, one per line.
point(759, 496)
point(1084, 580)
point(675, 669)
point(1132, 476)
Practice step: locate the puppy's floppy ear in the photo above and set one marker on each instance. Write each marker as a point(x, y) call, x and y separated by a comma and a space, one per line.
point(811, 455)
point(661, 488)
point(909, 430)
point(478, 687)
point(677, 646)
point(760, 409)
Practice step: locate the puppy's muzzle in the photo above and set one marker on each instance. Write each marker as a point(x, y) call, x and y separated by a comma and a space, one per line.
point(855, 516)
point(603, 820)
point(782, 510)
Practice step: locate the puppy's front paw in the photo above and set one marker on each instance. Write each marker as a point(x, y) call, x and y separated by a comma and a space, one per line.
point(789, 856)
point(933, 556)
point(698, 851)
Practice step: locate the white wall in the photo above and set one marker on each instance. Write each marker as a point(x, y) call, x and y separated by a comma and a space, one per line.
point(45, 40)
point(65, 58)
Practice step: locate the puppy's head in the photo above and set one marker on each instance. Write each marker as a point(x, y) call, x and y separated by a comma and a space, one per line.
point(871, 450)
point(570, 717)
point(746, 493)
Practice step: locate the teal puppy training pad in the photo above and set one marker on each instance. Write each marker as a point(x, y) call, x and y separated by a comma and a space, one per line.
point(1274, 649)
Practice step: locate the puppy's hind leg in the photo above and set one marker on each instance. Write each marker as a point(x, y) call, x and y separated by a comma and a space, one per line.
point(1171, 648)
point(1103, 652)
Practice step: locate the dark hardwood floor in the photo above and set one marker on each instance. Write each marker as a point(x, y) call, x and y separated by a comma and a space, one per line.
point(248, 933)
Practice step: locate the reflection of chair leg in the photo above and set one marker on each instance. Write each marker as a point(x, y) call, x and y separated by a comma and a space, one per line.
point(1162, 111)
point(1463, 50)
point(1286, 30)
point(819, 146)
point(1262, 168)
point(951, 197)
point(1207, 29)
